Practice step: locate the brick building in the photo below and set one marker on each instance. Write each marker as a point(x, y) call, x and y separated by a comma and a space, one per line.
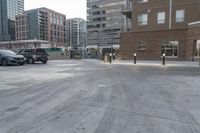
point(168, 26)
point(41, 24)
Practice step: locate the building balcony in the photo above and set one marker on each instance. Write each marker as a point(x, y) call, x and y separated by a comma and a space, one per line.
point(127, 10)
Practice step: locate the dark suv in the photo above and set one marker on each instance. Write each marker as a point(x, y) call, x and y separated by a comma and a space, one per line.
point(33, 55)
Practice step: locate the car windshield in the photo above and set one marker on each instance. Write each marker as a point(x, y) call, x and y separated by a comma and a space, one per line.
point(7, 52)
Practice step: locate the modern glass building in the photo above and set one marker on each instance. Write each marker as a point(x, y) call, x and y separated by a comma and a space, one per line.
point(76, 33)
point(8, 10)
point(105, 22)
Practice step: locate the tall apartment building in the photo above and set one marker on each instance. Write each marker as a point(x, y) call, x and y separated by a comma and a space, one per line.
point(8, 10)
point(41, 24)
point(105, 22)
point(169, 27)
point(76, 33)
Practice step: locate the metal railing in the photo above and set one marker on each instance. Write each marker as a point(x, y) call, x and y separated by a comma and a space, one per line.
point(126, 8)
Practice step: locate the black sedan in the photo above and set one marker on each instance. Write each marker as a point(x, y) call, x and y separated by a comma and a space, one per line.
point(8, 57)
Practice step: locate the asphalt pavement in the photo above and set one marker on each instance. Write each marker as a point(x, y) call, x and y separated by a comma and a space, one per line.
point(88, 96)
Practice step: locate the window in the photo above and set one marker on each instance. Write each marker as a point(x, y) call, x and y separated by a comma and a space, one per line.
point(180, 16)
point(143, 19)
point(141, 46)
point(142, 1)
point(170, 48)
point(161, 18)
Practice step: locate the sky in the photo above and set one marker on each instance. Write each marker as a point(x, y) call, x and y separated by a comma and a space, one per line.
point(71, 8)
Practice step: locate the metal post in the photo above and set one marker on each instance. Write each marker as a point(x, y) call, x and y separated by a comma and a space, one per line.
point(135, 58)
point(170, 14)
point(164, 59)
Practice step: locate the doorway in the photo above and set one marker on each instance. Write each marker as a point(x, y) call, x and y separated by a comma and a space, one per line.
point(196, 49)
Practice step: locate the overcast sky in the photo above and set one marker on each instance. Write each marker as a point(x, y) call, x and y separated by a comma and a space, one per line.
point(71, 8)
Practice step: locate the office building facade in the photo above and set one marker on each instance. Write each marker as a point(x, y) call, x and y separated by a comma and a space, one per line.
point(41, 24)
point(167, 27)
point(76, 33)
point(105, 22)
point(8, 10)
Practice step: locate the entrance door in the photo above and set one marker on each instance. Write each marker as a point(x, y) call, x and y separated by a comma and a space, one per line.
point(198, 48)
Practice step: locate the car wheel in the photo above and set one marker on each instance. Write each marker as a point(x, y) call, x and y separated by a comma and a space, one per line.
point(21, 64)
point(31, 61)
point(44, 60)
point(4, 62)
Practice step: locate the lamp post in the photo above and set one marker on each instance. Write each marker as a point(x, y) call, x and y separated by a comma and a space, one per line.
point(135, 58)
point(164, 59)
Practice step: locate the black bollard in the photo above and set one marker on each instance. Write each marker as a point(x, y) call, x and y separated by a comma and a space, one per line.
point(164, 59)
point(110, 58)
point(135, 58)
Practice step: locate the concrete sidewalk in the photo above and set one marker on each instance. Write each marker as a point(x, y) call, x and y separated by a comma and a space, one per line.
point(158, 63)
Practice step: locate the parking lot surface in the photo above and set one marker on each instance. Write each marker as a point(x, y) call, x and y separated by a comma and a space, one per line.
point(88, 96)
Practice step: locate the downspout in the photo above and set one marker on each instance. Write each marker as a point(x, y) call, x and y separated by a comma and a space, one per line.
point(170, 15)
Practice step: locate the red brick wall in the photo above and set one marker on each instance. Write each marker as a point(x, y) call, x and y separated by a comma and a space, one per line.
point(191, 7)
point(153, 34)
point(153, 39)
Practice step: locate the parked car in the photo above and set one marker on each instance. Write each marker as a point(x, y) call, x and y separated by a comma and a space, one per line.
point(33, 55)
point(8, 57)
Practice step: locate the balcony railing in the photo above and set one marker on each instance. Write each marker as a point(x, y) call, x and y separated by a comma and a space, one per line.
point(126, 10)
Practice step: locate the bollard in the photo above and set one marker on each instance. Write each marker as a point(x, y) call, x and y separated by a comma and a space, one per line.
point(135, 58)
point(110, 57)
point(164, 59)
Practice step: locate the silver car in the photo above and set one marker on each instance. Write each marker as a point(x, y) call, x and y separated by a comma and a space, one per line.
point(8, 57)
